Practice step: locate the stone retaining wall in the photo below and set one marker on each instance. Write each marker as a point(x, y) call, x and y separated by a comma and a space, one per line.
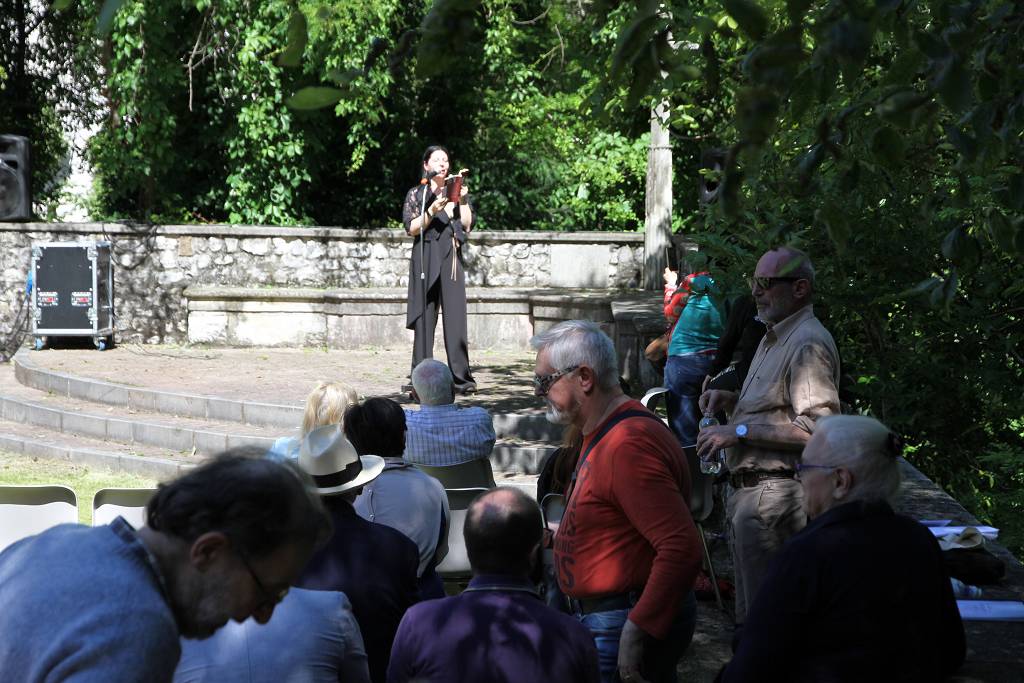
point(154, 264)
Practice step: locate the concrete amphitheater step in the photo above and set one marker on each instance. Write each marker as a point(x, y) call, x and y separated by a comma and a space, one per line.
point(40, 442)
point(532, 427)
point(152, 400)
point(513, 455)
point(71, 416)
point(83, 418)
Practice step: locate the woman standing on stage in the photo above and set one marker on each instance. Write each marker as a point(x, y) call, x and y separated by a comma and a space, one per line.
point(437, 276)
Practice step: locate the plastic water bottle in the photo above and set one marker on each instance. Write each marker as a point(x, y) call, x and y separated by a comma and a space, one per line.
point(713, 463)
point(964, 590)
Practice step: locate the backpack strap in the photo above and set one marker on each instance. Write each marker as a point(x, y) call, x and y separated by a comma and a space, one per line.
point(614, 420)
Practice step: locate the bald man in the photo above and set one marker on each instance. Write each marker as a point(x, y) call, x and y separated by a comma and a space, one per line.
point(498, 630)
point(792, 382)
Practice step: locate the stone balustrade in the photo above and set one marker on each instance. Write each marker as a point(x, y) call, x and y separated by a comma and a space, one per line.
point(155, 267)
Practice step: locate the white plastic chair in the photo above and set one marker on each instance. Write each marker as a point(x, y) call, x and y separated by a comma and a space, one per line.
point(128, 503)
point(29, 510)
point(456, 563)
point(472, 474)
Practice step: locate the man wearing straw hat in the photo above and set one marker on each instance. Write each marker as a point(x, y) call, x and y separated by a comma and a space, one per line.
point(374, 565)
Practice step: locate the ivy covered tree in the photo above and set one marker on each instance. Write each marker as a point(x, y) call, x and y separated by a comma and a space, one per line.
point(886, 137)
point(40, 95)
point(198, 127)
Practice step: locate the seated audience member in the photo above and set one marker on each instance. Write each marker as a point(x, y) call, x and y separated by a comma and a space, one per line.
point(861, 594)
point(313, 638)
point(373, 564)
point(325, 405)
point(497, 630)
point(109, 603)
point(440, 432)
point(403, 497)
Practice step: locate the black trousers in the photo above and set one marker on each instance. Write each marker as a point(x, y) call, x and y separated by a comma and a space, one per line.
point(449, 297)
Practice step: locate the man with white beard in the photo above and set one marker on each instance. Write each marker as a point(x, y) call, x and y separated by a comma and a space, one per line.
point(626, 551)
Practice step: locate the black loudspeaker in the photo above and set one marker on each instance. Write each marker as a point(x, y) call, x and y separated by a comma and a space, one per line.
point(713, 160)
point(15, 179)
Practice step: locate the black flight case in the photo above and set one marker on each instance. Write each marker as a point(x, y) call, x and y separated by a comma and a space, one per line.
point(73, 284)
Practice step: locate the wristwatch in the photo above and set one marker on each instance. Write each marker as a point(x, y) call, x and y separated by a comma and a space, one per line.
point(741, 431)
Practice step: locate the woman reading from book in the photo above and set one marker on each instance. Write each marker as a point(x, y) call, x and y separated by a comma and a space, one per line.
point(438, 214)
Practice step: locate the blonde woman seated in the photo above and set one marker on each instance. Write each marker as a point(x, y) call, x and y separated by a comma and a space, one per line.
point(325, 405)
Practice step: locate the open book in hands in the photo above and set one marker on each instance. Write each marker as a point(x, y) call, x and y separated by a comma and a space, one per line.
point(453, 185)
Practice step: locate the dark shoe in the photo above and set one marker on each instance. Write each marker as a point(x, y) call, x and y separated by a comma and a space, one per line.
point(466, 389)
point(406, 389)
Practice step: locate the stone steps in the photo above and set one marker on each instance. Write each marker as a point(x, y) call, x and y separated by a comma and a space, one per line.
point(83, 418)
point(119, 417)
point(157, 401)
point(40, 442)
point(531, 427)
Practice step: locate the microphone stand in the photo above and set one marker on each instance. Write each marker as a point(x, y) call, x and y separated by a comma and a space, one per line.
point(423, 260)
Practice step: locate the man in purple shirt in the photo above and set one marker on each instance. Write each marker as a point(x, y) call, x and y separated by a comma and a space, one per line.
point(498, 630)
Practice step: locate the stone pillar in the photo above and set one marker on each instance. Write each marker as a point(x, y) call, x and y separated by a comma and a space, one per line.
point(658, 219)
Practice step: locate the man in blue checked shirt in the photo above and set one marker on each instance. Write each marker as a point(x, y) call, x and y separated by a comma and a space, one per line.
point(440, 433)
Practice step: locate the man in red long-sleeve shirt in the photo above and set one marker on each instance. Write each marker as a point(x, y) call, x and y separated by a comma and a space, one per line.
point(627, 550)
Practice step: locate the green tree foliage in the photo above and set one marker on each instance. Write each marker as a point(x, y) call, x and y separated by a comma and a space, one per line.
point(39, 93)
point(885, 138)
point(284, 112)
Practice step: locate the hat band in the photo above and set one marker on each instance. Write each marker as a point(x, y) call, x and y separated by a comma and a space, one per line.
point(351, 471)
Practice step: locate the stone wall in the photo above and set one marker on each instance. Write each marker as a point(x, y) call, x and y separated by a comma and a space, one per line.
point(154, 264)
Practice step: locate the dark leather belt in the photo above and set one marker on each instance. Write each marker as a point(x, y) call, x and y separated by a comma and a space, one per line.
point(604, 603)
point(742, 480)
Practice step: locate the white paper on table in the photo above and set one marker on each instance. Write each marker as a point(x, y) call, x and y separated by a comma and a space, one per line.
point(991, 610)
point(934, 522)
point(989, 532)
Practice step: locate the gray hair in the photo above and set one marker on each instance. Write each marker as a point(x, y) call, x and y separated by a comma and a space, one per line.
point(868, 449)
point(433, 383)
point(580, 342)
point(798, 264)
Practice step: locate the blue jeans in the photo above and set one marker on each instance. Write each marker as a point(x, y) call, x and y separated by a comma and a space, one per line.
point(683, 377)
point(660, 655)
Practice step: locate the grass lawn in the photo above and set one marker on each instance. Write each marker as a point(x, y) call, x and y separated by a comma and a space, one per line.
point(85, 481)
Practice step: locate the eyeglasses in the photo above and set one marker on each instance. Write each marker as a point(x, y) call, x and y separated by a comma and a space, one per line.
point(543, 383)
point(766, 283)
point(800, 467)
point(269, 599)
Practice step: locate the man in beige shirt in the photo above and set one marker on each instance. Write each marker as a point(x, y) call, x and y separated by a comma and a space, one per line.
point(791, 383)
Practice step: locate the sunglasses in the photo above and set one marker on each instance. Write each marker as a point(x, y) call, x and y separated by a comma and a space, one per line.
point(543, 383)
point(766, 283)
point(269, 599)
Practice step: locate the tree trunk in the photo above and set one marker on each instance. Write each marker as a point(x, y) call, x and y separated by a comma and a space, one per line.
point(658, 220)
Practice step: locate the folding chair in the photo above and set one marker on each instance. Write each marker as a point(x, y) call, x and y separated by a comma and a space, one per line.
point(472, 474)
point(455, 565)
point(29, 510)
point(553, 507)
point(109, 504)
point(702, 500)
